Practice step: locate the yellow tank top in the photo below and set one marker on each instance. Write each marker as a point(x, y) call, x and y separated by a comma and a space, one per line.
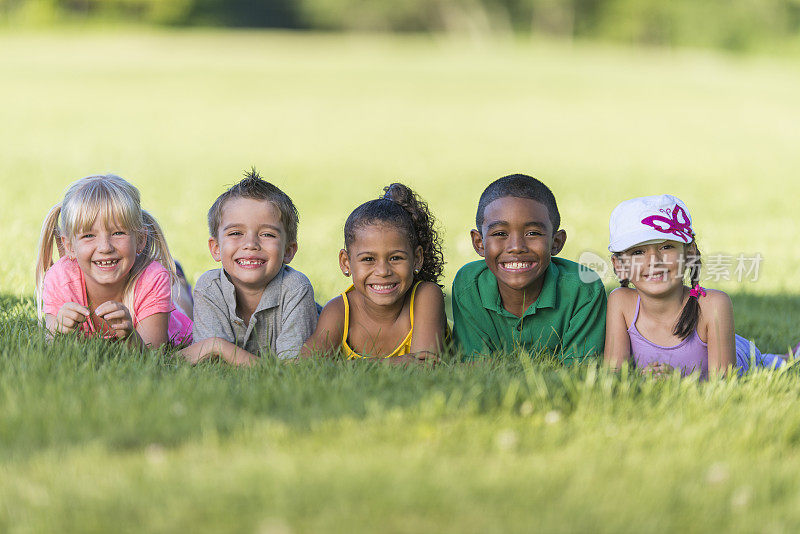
point(403, 348)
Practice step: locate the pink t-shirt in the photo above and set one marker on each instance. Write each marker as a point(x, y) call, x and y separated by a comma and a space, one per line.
point(64, 283)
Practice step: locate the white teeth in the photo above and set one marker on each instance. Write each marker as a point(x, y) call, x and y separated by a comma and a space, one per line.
point(249, 262)
point(106, 263)
point(518, 264)
point(381, 287)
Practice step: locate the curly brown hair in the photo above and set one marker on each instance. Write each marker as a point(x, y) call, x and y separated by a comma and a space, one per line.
point(401, 207)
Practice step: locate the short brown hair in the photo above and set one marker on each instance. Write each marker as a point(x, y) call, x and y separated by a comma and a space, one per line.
point(255, 187)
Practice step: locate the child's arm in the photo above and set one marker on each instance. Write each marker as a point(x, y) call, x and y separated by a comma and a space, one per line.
point(211, 316)
point(220, 348)
point(153, 330)
point(618, 342)
point(585, 334)
point(213, 333)
point(298, 319)
point(327, 337)
point(469, 322)
point(150, 332)
point(717, 310)
point(63, 314)
point(70, 317)
point(152, 304)
point(430, 321)
point(427, 341)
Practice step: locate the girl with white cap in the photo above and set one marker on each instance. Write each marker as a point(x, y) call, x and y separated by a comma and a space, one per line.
point(661, 322)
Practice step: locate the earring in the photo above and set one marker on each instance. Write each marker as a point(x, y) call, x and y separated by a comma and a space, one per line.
point(416, 271)
point(347, 273)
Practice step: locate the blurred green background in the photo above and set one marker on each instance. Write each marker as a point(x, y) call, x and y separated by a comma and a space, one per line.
point(333, 99)
point(333, 117)
point(731, 24)
point(602, 100)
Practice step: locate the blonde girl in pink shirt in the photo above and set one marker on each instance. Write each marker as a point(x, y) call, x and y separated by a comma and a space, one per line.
point(115, 274)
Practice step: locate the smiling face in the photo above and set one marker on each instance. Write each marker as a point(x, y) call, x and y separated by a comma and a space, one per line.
point(655, 268)
point(517, 241)
point(251, 242)
point(105, 254)
point(382, 263)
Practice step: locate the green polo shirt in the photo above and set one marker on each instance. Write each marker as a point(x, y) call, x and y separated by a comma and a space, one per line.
point(568, 319)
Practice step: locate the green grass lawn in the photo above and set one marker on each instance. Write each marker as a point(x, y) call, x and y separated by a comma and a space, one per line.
point(96, 438)
point(92, 436)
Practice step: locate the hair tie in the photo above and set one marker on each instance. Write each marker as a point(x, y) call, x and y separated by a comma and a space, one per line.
point(697, 291)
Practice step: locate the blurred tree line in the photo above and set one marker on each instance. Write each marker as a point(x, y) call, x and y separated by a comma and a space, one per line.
point(732, 24)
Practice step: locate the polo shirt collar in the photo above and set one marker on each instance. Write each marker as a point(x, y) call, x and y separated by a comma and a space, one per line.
point(269, 299)
point(490, 292)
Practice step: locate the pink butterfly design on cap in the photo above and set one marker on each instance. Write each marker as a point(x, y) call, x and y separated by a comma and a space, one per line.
point(678, 225)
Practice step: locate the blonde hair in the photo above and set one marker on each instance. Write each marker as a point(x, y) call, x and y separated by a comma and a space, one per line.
point(112, 199)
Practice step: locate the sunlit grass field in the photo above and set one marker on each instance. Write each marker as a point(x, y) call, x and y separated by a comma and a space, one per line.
point(95, 438)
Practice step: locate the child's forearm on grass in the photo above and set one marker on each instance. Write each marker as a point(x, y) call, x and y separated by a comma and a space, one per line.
point(234, 354)
point(405, 359)
point(214, 346)
point(421, 357)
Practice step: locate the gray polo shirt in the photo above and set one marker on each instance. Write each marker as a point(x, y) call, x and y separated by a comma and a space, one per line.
point(285, 317)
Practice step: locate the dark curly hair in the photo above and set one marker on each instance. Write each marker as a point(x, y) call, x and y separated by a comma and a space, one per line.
point(399, 206)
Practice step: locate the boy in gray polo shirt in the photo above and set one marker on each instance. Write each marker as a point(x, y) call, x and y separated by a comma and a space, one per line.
point(255, 303)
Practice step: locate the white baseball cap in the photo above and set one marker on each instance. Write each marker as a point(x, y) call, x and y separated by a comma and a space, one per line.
point(646, 220)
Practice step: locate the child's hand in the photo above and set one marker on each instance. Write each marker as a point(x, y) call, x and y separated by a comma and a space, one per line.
point(658, 370)
point(118, 318)
point(70, 317)
point(425, 358)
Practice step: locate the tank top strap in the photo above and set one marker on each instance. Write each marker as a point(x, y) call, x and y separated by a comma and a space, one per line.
point(635, 313)
point(346, 316)
point(411, 307)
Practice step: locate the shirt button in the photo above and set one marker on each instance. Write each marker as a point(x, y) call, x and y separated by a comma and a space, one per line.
point(519, 327)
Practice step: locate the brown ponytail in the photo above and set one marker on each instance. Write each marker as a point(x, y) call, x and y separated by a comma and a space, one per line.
point(425, 233)
point(690, 315)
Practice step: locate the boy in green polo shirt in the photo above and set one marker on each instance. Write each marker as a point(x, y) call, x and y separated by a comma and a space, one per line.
point(519, 295)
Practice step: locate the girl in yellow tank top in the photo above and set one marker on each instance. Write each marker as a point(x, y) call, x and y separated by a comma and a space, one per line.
point(394, 309)
point(402, 349)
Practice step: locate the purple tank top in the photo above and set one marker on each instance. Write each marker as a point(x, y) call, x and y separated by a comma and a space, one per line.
point(689, 355)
